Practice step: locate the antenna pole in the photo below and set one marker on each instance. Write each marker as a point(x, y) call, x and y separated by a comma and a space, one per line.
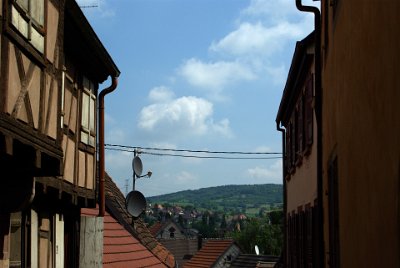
point(134, 175)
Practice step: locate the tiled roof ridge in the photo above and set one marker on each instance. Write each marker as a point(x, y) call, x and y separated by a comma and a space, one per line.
point(211, 259)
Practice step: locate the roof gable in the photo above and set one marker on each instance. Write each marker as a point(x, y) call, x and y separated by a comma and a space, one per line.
point(211, 253)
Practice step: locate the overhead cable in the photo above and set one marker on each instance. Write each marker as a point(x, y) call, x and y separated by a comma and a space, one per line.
point(192, 156)
point(191, 151)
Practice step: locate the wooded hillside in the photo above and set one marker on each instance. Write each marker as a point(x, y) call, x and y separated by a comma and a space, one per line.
point(228, 197)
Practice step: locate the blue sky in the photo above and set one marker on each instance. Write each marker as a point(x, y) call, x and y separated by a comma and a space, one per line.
point(198, 75)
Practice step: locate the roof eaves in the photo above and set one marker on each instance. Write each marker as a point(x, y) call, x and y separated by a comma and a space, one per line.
point(298, 61)
point(89, 33)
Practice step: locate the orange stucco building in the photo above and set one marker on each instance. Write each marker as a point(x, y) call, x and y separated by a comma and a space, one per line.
point(361, 129)
point(357, 159)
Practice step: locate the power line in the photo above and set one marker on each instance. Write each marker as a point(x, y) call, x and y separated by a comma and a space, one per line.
point(88, 6)
point(190, 151)
point(212, 157)
point(193, 156)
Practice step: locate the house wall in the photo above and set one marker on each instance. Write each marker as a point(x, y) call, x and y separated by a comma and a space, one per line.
point(91, 242)
point(361, 128)
point(227, 257)
point(302, 186)
point(165, 234)
point(48, 174)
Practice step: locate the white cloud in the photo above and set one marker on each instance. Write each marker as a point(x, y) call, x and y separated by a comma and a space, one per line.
point(257, 39)
point(270, 174)
point(215, 75)
point(278, 74)
point(188, 112)
point(182, 117)
point(222, 127)
point(275, 10)
point(161, 94)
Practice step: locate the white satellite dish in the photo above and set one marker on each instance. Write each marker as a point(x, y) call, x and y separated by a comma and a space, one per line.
point(137, 166)
point(257, 250)
point(135, 203)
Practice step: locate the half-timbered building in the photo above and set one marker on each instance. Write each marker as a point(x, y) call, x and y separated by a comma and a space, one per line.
point(51, 65)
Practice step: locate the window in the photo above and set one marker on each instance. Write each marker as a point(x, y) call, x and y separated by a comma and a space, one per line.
point(171, 232)
point(27, 17)
point(299, 129)
point(300, 125)
point(301, 234)
point(308, 111)
point(288, 148)
point(23, 234)
point(88, 122)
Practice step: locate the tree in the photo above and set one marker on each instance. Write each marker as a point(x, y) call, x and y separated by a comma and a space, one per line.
point(268, 237)
point(223, 222)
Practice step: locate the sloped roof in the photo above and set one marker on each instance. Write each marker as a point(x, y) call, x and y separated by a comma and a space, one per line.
point(253, 261)
point(183, 248)
point(120, 248)
point(82, 43)
point(115, 204)
point(155, 228)
point(209, 253)
point(301, 63)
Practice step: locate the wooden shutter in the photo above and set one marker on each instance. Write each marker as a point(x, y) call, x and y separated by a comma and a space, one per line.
point(300, 125)
point(16, 240)
point(288, 149)
point(293, 140)
point(309, 92)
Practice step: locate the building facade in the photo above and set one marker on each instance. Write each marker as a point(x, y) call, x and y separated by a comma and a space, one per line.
point(296, 119)
point(361, 128)
point(358, 149)
point(51, 65)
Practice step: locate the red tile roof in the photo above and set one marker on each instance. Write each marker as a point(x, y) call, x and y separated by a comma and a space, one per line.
point(115, 204)
point(155, 228)
point(209, 253)
point(120, 248)
point(183, 249)
point(119, 220)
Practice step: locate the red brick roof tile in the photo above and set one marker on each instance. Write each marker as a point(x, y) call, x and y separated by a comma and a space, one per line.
point(121, 249)
point(209, 253)
point(115, 204)
point(155, 228)
point(120, 229)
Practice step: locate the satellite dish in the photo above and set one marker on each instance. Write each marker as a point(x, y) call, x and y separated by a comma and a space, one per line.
point(137, 166)
point(257, 250)
point(135, 203)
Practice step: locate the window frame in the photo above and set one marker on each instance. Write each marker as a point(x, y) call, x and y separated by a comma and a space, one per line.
point(24, 33)
point(87, 133)
point(299, 128)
